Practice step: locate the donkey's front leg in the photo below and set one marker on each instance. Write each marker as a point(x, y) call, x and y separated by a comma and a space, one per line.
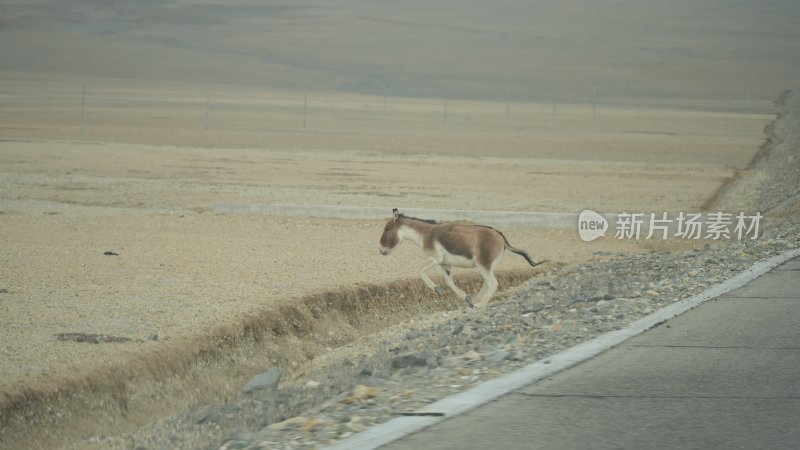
point(428, 265)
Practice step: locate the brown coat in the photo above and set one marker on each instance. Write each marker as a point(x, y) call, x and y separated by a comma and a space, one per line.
point(452, 244)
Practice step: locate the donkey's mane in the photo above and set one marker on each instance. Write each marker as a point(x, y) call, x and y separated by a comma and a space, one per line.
point(429, 221)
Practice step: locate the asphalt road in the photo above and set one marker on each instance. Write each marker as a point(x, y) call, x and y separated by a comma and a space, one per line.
point(725, 375)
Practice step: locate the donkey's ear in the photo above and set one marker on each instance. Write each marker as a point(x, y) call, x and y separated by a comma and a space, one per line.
point(395, 213)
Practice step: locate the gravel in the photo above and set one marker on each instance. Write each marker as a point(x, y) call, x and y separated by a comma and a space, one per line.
point(266, 380)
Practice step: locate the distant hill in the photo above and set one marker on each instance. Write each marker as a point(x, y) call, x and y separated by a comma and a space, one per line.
point(499, 50)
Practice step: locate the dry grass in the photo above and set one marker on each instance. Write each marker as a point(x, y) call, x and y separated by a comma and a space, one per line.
point(114, 399)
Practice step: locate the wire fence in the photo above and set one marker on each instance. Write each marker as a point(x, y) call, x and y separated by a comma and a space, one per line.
point(236, 115)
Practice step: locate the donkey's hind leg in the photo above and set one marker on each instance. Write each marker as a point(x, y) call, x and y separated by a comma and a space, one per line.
point(488, 289)
point(448, 278)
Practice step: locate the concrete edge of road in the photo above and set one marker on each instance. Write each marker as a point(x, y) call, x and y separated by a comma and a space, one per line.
point(394, 429)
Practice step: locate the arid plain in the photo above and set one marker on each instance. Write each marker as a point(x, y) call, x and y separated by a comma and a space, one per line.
point(142, 183)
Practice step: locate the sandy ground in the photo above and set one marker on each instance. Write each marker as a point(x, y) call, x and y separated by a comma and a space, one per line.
point(180, 268)
point(181, 271)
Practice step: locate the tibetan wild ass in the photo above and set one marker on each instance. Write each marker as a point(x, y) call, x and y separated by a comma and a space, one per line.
point(452, 244)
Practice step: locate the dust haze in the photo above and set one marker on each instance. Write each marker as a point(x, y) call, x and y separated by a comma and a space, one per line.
point(510, 49)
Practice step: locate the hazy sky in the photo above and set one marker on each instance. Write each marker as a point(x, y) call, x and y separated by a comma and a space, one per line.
point(527, 49)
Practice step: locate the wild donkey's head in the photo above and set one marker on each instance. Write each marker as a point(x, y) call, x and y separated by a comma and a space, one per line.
point(391, 233)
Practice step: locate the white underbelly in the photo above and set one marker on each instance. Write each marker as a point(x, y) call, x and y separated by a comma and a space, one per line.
point(456, 260)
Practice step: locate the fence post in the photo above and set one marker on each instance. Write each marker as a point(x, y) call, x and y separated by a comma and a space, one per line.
point(83, 109)
point(305, 105)
point(556, 98)
point(208, 101)
point(386, 100)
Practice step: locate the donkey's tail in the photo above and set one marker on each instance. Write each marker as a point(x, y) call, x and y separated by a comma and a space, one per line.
point(522, 253)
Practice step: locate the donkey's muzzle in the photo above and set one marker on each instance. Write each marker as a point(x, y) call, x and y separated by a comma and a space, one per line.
point(384, 251)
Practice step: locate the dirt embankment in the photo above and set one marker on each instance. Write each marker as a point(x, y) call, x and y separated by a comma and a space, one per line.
point(212, 367)
point(771, 183)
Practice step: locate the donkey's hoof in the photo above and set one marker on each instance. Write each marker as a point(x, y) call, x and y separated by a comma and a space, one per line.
point(438, 290)
point(468, 299)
